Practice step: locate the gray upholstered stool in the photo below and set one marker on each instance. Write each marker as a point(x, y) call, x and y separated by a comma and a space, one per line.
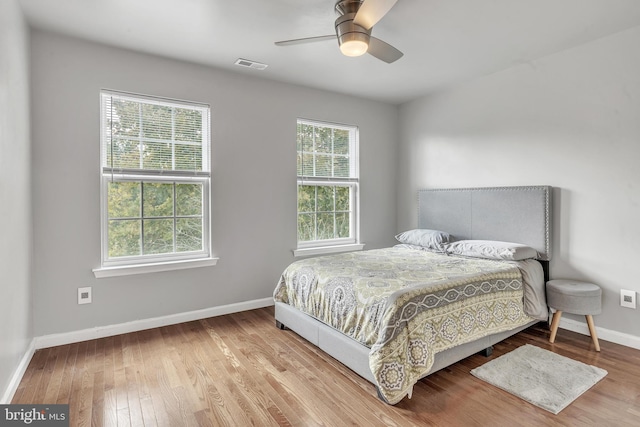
point(574, 297)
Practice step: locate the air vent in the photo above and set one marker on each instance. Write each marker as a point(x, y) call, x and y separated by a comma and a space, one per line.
point(250, 64)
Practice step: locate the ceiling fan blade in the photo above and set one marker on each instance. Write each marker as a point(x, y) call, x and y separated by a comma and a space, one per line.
point(305, 40)
point(383, 51)
point(371, 11)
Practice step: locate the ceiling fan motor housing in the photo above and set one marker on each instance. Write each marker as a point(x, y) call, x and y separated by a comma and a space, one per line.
point(346, 29)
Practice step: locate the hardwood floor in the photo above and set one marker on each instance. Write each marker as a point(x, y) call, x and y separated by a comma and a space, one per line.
point(239, 370)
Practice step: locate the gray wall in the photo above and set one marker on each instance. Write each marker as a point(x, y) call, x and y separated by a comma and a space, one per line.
point(570, 120)
point(15, 192)
point(253, 187)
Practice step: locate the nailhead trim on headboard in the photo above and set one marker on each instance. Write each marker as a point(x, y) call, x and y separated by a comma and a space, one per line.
point(546, 191)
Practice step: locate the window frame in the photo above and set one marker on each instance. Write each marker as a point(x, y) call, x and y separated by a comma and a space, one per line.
point(319, 246)
point(166, 261)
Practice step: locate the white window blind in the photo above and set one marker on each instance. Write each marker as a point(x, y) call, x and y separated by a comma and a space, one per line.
point(326, 151)
point(151, 136)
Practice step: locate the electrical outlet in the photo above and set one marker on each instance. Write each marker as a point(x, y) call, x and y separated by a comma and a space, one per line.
point(84, 295)
point(627, 298)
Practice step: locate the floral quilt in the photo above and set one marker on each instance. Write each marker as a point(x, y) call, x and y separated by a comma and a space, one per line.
point(406, 305)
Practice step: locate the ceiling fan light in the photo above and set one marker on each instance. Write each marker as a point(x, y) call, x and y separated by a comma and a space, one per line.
point(354, 48)
point(352, 39)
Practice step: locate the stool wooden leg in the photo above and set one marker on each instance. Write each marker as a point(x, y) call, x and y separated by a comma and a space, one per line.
point(592, 331)
point(554, 325)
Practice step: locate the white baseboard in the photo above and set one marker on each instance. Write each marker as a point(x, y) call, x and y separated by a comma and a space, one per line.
point(8, 394)
point(603, 334)
point(140, 325)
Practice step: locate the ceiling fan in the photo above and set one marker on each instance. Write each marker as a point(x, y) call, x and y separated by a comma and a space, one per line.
point(355, 20)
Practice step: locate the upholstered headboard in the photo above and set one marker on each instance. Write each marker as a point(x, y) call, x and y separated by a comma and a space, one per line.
point(510, 214)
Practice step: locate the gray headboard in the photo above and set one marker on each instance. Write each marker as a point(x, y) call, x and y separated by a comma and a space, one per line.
point(510, 214)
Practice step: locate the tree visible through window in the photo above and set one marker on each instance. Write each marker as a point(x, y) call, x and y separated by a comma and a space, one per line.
point(155, 175)
point(327, 183)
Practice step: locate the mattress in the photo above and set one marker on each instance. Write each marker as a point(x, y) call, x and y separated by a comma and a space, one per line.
point(406, 305)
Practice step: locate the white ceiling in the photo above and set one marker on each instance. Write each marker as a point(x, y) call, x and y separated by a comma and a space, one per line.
point(444, 41)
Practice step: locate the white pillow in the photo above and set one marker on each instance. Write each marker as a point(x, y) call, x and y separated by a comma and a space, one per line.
point(492, 249)
point(429, 239)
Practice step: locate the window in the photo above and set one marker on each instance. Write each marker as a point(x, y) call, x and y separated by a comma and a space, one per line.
point(327, 184)
point(155, 180)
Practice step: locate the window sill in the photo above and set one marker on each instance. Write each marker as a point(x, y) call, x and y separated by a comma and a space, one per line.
point(127, 270)
point(323, 250)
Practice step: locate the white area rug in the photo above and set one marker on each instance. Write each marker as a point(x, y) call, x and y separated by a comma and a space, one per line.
point(540, 377)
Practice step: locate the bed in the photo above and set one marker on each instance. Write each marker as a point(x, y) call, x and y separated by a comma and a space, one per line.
point(470, 275)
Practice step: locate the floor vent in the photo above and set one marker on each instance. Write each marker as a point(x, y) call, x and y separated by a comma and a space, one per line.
point(250, 64)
